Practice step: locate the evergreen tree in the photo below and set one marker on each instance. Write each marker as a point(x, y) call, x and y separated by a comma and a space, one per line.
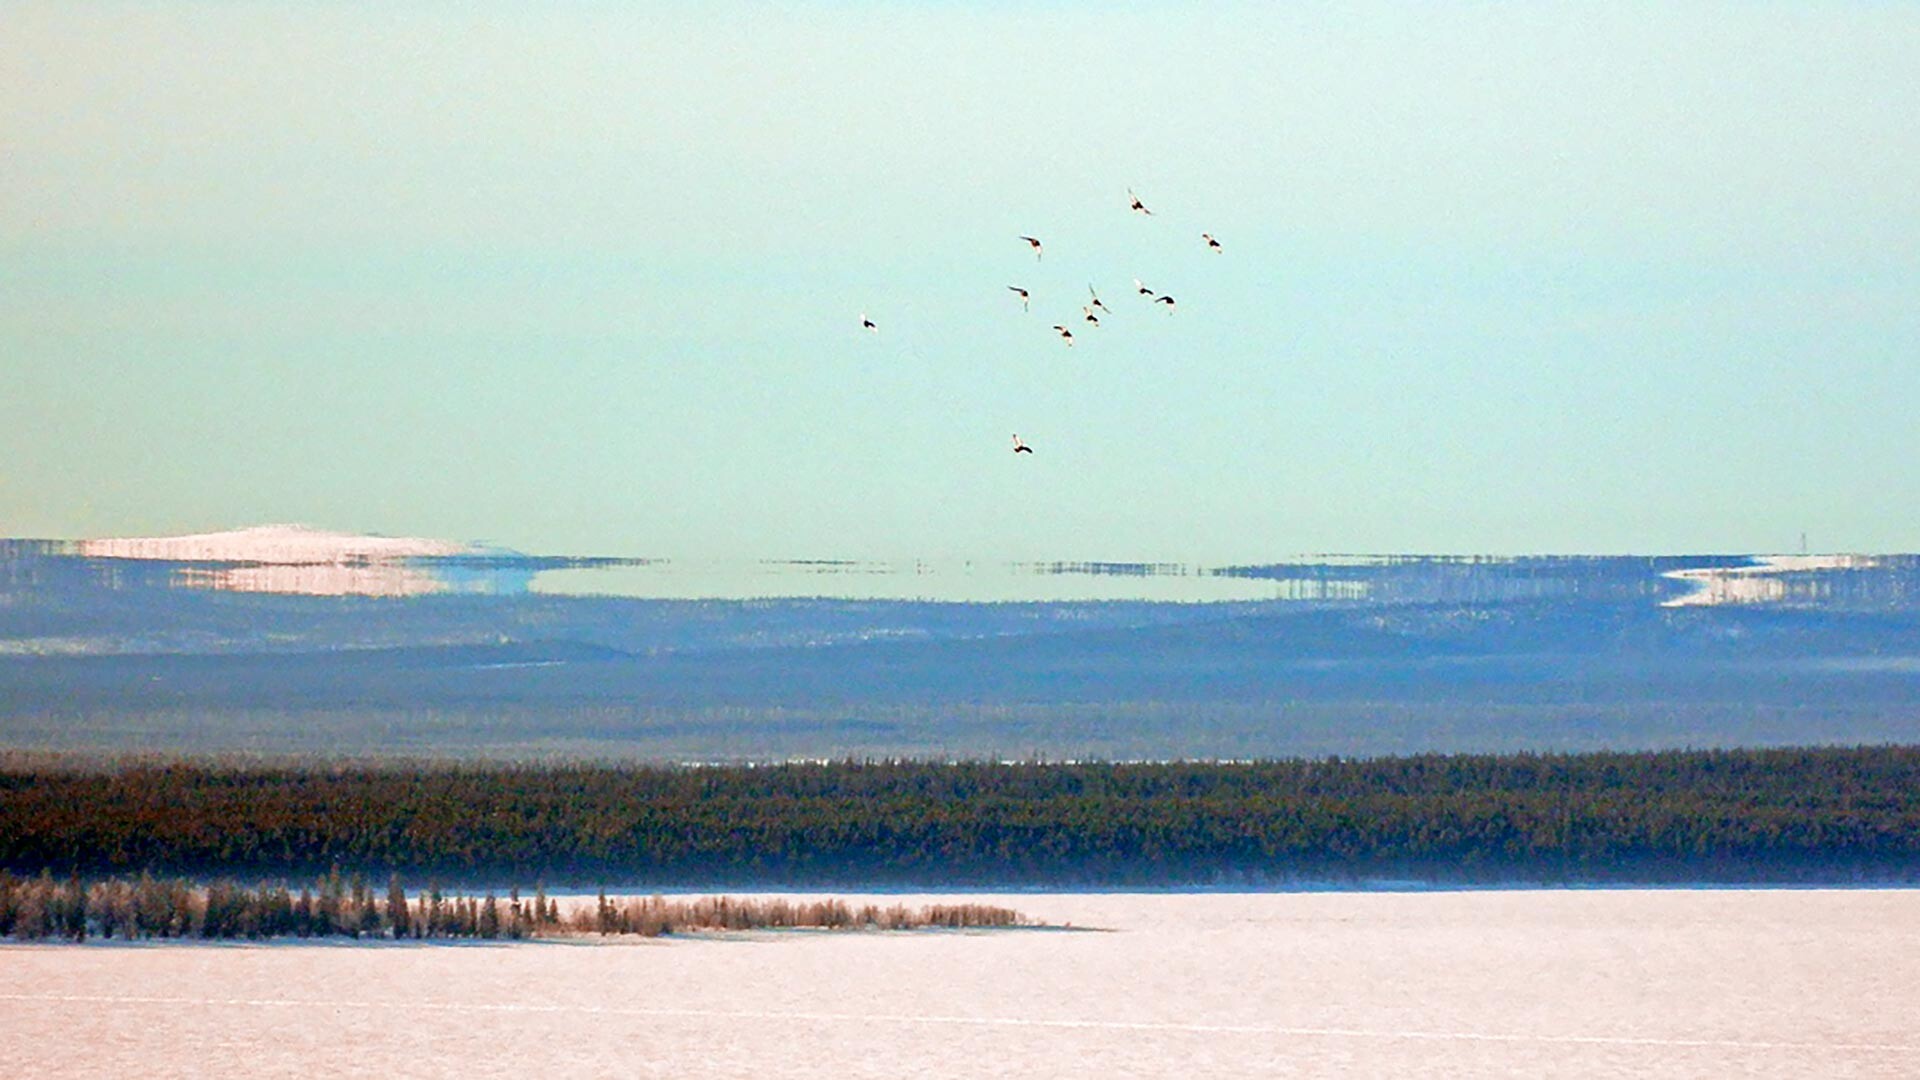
point(9, 902)
point(331, 906)
point(399, 923)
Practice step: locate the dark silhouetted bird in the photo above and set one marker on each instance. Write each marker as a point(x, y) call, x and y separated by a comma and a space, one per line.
point(1020, 447)
point(1134, 204)
point(868, 323)
point(1211, 242)
point(1022, 294)
point(1035, 244)
point(1066, 335)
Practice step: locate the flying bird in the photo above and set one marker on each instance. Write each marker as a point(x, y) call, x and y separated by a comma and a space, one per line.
point(1066, 335)
point(1020, 447)
point(1211, 242)
point(1134, 204)
point(868, 323)
point(1167, 300)
point(1091, 317)
point(1035, 244)
point(1141, 289)
point(1096, 299)
point(1022, 294)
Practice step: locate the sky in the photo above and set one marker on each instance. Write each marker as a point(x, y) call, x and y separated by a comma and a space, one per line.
point(1501, 279)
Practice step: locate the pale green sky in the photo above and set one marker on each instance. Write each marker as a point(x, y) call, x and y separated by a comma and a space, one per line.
point(1498, 278)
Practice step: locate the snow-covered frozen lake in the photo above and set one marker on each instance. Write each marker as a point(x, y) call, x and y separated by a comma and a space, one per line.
point(1700, 983)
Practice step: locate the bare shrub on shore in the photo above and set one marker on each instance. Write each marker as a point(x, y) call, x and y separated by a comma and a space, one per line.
point(653, 916)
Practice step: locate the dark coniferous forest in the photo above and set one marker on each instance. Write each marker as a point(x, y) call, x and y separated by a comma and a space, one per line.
point(1818, 815)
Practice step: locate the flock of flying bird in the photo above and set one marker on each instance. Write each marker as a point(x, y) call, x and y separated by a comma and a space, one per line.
point(1086, 310)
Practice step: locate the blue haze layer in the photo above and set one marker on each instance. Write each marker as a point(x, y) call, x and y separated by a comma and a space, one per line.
point(1402, 655)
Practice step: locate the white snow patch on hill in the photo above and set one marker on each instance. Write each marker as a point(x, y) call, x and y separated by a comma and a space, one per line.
point(1756, 584)
point(273, 545)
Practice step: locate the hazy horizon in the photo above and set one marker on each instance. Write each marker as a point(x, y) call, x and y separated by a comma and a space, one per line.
point(488, 545)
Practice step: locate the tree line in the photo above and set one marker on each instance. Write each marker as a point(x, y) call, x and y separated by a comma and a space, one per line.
point(1809, 814)
point(74, 909)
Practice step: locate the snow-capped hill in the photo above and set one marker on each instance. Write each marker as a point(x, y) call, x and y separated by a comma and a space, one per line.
point(283, 545)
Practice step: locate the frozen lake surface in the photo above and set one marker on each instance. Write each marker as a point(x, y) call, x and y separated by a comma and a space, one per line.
point(1604, 983)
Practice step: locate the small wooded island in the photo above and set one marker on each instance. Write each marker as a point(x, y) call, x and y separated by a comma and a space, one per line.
point(44, 908)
